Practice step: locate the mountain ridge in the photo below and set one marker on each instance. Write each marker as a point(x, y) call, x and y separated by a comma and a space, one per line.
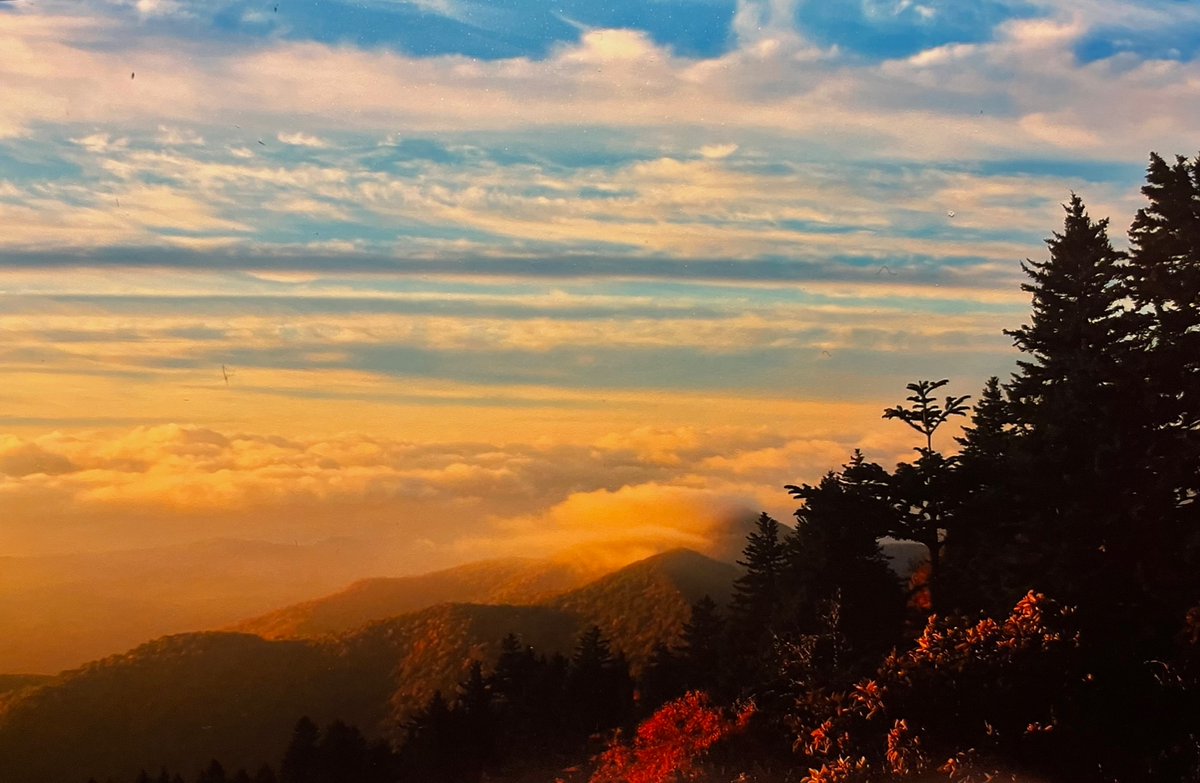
point(183, 699)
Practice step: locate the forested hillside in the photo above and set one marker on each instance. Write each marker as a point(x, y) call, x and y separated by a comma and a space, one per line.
point(183, 700)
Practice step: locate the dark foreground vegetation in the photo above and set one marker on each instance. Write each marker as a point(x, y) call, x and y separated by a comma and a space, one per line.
point(1053, 634)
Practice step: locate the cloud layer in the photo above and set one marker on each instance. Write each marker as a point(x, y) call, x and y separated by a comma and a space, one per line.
point(523, 275)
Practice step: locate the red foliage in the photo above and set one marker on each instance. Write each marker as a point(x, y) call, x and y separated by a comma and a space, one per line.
point(669, 743)
point(962, 692)
point(919, 598)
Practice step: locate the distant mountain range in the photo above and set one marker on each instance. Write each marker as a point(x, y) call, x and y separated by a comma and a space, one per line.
point(59, 611)
point(506, 581)
point(367, 655)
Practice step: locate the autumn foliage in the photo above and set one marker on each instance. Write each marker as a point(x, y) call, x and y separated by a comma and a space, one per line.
point(668, 745)
point(964, 696)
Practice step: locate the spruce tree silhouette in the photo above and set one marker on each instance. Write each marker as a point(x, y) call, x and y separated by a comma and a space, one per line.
point(1071, 400)
point(1164, 283)
point(701, 647)
point(301, 758)
point(985, 549)
point(599, 688)
point(213, 773)
point(834, 557)
point(755, 603)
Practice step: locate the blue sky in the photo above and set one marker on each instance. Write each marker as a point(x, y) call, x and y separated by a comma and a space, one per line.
point(588, 254)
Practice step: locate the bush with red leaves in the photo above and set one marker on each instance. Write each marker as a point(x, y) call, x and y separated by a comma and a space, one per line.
point(669, 744)
point(968, 702)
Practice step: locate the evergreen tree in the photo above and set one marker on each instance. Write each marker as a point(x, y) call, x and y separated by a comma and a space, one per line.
point(432, 743)
point(341, 755)
point(701, 646)
point(478, 722)
point(834, 557)
point(1072, 406)
point(599, 687)
point(300, 758)
point(985, 547)
point(1164, 282)
point(213, 773)
point(265, 774)
point(756, 604)
point(662, 678)
point(924, 499)
point(528, 692)
point(756, 592)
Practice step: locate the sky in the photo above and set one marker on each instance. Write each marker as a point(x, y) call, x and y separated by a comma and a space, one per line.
point(453, 279)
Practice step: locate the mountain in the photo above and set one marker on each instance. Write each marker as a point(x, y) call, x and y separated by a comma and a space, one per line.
point(650, 600)
point(185, 699)
point(506, 581)
point(93, 604)
point(904, 556)
point(178, 702)
point(10, 683)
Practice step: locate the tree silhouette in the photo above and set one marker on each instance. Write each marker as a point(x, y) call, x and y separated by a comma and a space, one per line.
point(599, 687)
point(985, 548)
point(301, 757)
point(701, 645)
point(926, 415)
point(923, 497)
point(756, 603)
point(1074, 403)
point(834, 556)
point(213, 773)
point(1164, 283)
point(756, 592)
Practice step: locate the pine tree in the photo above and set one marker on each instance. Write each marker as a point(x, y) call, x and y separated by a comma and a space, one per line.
point(1164, 282)
point(925, 502)
point(213, 773)
point(834, 557)
point(662, 677)
point(341, 755)
point(756, 593)
point(701, 646)
point(984, 549)
point(987, 441)
point(300, 758)
point(599, 687)
point(478, 720)
point(1071, 401)
point(265, 774)
point(432, 742)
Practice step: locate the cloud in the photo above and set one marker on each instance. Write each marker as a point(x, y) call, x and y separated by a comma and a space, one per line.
point(18, 459)
point(300, 139)
point(101, 143)
point(618, 527)
point(718, 151)
point(167, 484)
point(176, 137)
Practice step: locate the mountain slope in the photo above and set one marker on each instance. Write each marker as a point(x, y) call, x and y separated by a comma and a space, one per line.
point(94, 604)
point(508, 581)
point(649, 601)
point(176, 702)
point(183, 700)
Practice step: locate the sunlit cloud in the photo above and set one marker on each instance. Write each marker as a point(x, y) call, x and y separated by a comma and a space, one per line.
point(588, 277)
point(204, 483)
